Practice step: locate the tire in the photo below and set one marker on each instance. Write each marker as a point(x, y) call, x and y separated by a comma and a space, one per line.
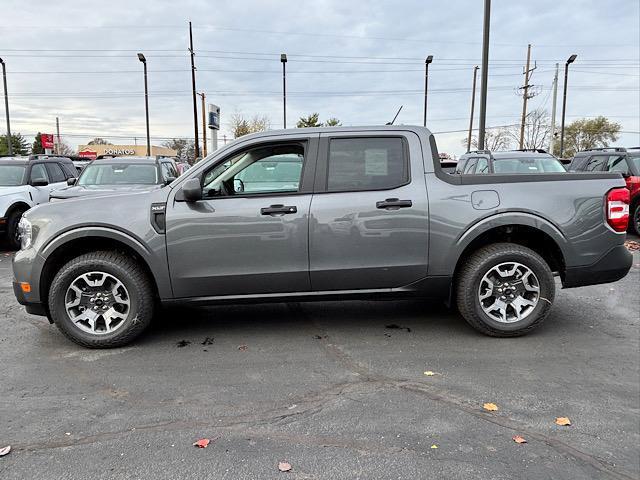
point(634, 221)
point(13, 239)
point(110, 267)
point(482, 263)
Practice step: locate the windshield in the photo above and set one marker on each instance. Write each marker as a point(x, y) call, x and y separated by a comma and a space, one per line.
point(527, 165)
point(119, 174)
point(11, 175)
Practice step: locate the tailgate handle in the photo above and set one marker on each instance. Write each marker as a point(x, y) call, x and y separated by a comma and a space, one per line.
point(394, 203)
point(279, 210)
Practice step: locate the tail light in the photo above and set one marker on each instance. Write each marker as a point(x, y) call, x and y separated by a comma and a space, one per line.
point(618, 209)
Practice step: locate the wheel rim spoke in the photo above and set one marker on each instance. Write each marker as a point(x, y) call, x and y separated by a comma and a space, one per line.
point(97, 302)
point(509, 292)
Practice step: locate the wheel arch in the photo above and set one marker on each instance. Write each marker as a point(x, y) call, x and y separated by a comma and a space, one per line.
point(523, 229)
point(19, 205)
point(75, 243)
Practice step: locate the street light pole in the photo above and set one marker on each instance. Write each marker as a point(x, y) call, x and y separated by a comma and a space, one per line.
point(484, 78)
point(473, 104)
point(6, 107)
point(570, 60)
point(283, 59)
point(193, 94)
point(142, 58)
point(428, 60)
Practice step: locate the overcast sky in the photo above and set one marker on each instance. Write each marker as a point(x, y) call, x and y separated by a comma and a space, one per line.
point(354, 60)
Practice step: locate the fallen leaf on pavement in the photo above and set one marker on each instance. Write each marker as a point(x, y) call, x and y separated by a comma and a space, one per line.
point(563, 421)
point(519, 439)
point(5, 450)
point(429, 373)
point(492, 407)
point(632, 245)
point(183, 343)
point(202, 443)
point(434, 446)
point(207, 341)
point(284, 466)
point(243, 348)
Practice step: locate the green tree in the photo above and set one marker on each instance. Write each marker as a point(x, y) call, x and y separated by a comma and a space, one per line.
point(37, 147)
point(310, 121)
point(19, 145)
point(99, 141)
point(186, 148)
point(332, 122)
point(587, 133)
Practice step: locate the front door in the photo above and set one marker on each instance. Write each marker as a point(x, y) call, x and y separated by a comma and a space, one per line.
point(39, 194)
point(249, 234)
point(369, 215)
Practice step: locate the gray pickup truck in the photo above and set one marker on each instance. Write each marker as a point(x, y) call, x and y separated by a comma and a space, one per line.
point(331, 213)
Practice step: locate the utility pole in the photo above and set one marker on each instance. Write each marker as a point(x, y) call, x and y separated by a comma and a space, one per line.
point(193, 94)
point(204, 125)
point(525, 95)
point(570, 60)
point(58, 135)
point(473, 104)
point(553, 111)
point(6, 108)
point(485, 68)
point(283, 59)
point(426, 87)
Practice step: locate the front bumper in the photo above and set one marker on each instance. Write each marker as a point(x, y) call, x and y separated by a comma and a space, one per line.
point(612, 266)
point(34, 308)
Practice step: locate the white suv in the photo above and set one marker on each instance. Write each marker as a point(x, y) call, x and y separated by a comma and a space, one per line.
point(25, 182)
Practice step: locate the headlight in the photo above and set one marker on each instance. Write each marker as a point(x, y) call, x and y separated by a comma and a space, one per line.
point(25, 232)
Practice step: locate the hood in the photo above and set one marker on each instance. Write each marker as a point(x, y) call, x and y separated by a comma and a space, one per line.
point(96, 190)
point(12, 190)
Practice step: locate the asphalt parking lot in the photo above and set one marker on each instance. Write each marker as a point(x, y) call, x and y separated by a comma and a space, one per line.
point(337, 390)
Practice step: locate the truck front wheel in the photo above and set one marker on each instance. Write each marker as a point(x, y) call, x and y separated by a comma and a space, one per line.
point(505, 290)
point(101, 299)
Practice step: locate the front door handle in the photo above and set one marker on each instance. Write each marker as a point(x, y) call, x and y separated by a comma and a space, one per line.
point(394, 204)
point(279, 210)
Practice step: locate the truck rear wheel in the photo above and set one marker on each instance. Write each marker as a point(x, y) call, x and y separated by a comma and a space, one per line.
point(101, 300)
point(505, 290)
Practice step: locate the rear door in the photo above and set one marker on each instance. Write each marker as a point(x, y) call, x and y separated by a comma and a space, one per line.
point(369, 214)
point(57, 178)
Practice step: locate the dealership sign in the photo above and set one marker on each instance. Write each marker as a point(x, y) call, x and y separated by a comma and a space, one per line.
point(47, 140)
point(119, 151)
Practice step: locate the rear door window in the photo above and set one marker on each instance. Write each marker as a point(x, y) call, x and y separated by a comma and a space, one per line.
point(356, 164)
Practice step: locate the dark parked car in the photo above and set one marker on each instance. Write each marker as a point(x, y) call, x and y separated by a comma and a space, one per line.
point(514, 161)
point(615, 159)
point(323, 213)
point(118, 175)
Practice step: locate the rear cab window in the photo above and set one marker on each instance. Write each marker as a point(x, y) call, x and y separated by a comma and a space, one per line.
point(595, 163)
point(367, 163)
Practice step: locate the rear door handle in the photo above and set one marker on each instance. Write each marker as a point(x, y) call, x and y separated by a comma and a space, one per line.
point(394, 204)
point(279, 210)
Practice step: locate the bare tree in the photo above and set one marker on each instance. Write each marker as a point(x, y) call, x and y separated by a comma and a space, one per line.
point(240, 125)
point(63, 148)
point(537, 129)
point(495, 139)
point(99, 141)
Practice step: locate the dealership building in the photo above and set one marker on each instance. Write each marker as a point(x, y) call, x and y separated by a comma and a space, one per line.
point(93, 151)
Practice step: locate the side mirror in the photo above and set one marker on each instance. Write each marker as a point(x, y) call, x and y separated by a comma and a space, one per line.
point(71, 181)
point(39, 182)
point(168, 180)
point(192, 190)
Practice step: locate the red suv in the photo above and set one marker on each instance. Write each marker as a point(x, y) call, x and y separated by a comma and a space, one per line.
point(615, 159)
